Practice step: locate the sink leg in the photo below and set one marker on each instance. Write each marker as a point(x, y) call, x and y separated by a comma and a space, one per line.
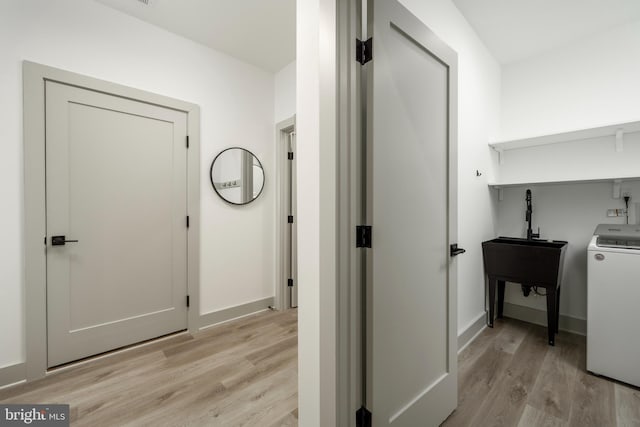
point(551, 315)
point(558, 309)
point(500, 298)
point(492, 300)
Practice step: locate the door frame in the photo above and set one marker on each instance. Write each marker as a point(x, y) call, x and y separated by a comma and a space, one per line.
point(34, 78)
point(283, 129)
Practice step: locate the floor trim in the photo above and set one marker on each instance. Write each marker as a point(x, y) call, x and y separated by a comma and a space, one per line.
point(471, 332)
point(12, 374)
point(539, 317)
point(226, 314)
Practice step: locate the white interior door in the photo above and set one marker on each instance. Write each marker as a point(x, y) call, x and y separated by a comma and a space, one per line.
point(412, 378)
point(116, 182)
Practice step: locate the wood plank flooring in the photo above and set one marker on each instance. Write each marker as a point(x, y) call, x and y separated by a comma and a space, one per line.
point(242, 373)
point(509, 376)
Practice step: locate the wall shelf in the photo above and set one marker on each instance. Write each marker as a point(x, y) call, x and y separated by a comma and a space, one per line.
point(617, 130)
point(615, 181)
point(499, 185)
point(580, 156)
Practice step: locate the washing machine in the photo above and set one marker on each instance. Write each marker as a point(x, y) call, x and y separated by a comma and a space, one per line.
point(613, 303)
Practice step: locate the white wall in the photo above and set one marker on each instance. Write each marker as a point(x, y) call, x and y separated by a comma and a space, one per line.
point(586, 84)
point(563, 212)
point(237, 108)
point(285, 93)
point(478, 123)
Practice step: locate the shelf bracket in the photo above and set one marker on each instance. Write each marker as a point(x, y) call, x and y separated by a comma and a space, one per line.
point(616, 188)
point(619, 140)
point(500, 193)
point(500, 154)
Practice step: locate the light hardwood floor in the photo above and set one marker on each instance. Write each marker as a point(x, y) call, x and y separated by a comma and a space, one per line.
point(243, 373)
point(509, 376)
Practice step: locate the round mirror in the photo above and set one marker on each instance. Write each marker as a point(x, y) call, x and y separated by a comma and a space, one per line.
point(237, 176)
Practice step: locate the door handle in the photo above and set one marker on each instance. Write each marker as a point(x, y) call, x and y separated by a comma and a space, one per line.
point(61, 241)
point(454, 250)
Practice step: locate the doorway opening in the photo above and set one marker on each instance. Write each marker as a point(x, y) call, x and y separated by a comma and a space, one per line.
point(286, 219)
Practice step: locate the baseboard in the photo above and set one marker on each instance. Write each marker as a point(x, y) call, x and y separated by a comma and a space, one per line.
point(13, 374)
point(539, 317)
point(471, 332)
point(226, 314)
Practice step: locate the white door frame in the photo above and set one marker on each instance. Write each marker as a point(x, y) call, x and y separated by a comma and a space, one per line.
point(283, 129)
point(34, 77)
point(329, 133)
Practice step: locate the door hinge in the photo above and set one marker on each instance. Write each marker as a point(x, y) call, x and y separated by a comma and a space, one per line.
point(290, 282)
point(290, 155)
point(363, 417)
point(187, 301)
point(363, 236)
point(187, 141)
point(187, 221)
point(364, 50)
point(290, 219)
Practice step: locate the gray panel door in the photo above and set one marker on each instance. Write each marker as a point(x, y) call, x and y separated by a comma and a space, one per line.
point(116, 182)
point(412, 379)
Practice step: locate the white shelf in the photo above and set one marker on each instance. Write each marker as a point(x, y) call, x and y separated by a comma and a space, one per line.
point(576, 135)
point(499, 185)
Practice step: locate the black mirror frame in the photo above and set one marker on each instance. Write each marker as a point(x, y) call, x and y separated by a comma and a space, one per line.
point(264, 176)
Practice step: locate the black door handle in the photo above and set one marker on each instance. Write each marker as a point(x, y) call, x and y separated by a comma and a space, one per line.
point(61, 241)
point(455, 250)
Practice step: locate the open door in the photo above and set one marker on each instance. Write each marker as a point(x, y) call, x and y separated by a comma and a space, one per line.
point(411, 327)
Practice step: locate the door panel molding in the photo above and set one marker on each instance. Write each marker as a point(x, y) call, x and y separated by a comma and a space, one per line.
point(34, 78)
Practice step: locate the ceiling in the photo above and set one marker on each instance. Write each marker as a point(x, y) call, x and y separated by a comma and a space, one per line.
point(260, 32)
point(516, 29)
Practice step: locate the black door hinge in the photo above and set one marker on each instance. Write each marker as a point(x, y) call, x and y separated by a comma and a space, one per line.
point(290, 155)
point(290, 219)
point(363, 417)
point(187, 141)
point(363, 236)
point(187, 221)
point(364, 50)
point(290, 282)
point(187, 301)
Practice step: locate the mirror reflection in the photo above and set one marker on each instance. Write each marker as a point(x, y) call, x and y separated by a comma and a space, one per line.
point(237, 176)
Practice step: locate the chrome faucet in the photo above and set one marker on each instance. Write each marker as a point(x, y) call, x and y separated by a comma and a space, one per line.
point(530, 233)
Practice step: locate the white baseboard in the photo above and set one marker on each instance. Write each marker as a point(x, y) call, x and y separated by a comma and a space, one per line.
point(539, 317)
point(471, 332)
point(12, 374)
point(226, 314)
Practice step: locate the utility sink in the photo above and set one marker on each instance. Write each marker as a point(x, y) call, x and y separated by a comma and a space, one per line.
point(535, 262)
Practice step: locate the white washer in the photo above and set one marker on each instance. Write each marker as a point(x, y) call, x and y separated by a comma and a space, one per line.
point(613, 303)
